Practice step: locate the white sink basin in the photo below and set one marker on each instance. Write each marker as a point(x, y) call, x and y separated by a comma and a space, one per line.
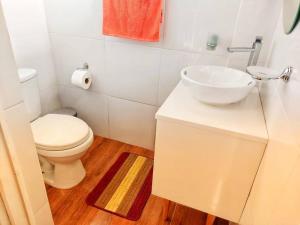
point(217, 85)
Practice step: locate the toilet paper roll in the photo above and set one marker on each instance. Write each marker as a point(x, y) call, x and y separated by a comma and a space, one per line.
point(81, 78)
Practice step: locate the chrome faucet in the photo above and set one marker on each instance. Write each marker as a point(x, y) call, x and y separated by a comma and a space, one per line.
point(254, 50)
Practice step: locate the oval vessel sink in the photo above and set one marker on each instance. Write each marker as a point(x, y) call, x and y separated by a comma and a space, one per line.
point(217, 85)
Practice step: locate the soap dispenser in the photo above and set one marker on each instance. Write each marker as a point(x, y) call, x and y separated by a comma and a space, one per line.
point(212, 42)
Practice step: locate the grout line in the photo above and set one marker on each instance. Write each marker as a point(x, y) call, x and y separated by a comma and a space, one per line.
point(108, 117)
point(107, 97)
point(142, 44)
point(159, 79)
point(112, 96)
point(234, 33)
point(12, 106)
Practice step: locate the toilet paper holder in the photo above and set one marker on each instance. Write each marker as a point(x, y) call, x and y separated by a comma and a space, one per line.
point(85, 66)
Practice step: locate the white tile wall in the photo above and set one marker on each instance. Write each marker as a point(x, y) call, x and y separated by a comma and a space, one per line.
point(286, 51)
point(131, 72)
point(132, 122)
point(24, 17)
point(188, 23)
point(33, 51)
point(27, 28)
point(279, 159)
point(91, 107)
point(145, 73)
point(75, 18)
point(275, 195)
point(71, 52)
point(255, 18)
point(50, 99)
point(172, 62)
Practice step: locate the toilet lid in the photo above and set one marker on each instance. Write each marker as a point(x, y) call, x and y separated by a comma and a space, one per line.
point(59, 132)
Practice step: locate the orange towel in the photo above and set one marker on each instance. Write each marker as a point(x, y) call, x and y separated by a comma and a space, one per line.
point(132, 19)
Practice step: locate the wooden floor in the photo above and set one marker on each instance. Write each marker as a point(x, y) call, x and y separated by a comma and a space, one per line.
point(69, 207)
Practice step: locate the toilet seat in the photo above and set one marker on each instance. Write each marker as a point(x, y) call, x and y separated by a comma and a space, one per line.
point(56, 132)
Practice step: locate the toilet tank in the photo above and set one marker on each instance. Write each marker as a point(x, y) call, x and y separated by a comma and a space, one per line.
point(30, 92)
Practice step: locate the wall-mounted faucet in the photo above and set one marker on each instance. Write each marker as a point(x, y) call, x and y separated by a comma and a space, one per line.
point(254, 50)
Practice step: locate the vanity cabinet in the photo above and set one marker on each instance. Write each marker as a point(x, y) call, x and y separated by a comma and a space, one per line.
point(206, 157)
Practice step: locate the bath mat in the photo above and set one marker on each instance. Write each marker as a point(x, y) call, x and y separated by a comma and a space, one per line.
point(125, 188)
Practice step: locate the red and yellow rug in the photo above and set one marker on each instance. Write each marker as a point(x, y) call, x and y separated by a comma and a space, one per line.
point(125, 188)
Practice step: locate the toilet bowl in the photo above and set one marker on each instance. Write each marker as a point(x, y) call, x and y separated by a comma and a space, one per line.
point(61, 140)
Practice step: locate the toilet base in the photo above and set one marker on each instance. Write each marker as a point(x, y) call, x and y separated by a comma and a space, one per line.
point(65, 175)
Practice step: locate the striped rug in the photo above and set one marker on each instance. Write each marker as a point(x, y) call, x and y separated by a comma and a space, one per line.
point(125, 188)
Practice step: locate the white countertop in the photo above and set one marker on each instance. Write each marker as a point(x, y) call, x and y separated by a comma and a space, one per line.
point(244, 119)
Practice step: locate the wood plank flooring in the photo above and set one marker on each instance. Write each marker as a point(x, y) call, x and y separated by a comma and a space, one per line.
point(69, 207)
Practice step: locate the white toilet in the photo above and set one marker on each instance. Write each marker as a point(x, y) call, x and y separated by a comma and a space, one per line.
point(61, 140)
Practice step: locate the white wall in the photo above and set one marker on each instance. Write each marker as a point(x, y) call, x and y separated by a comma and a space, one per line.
point(17, 148)
point(132, 79)
point(275, 198)
point(27, 28)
